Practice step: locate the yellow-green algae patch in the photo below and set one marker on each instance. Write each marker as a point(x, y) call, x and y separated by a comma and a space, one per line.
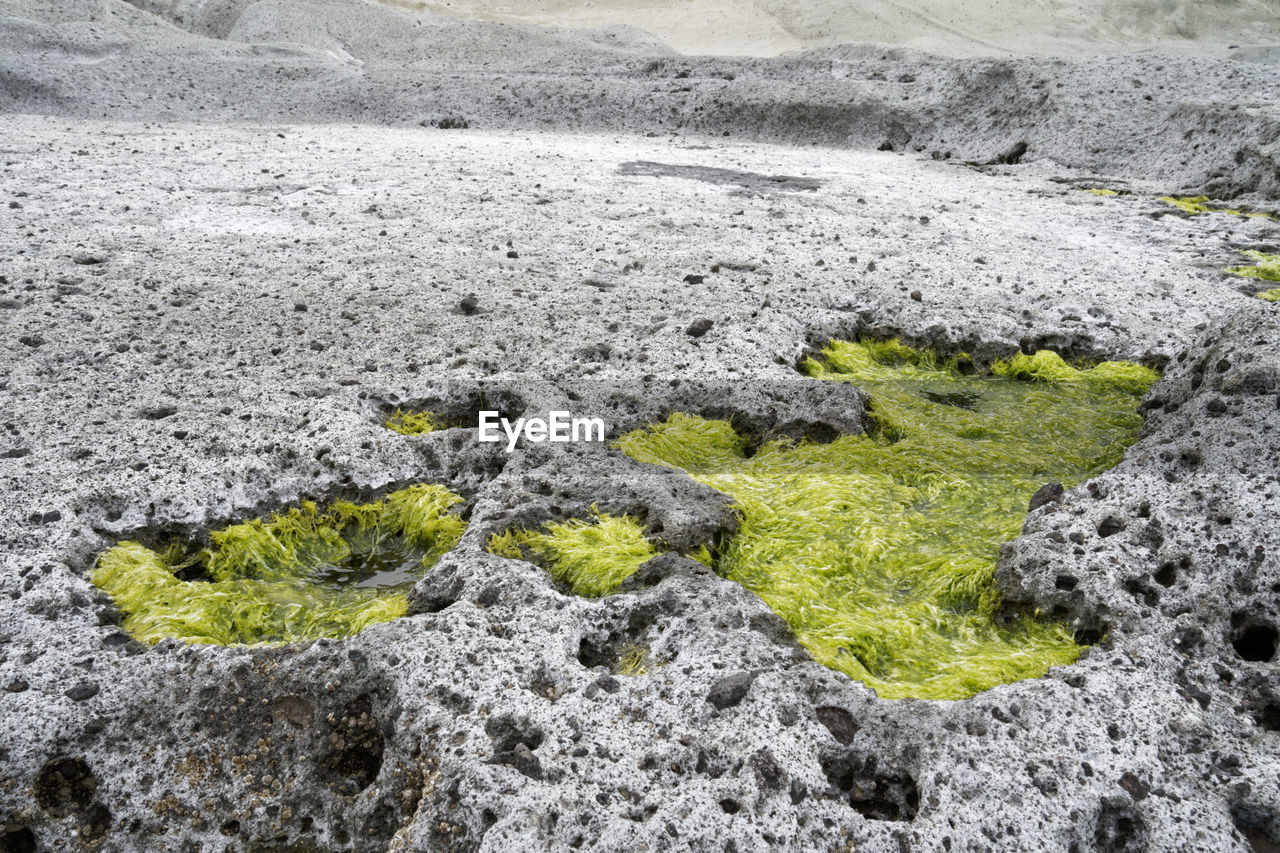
point(880, 550)
point(1106, 193)
point(411, 422)
point(593, 557)
point(1272, 295)
point(1201, 204)
point(1267, 268)
point(298, 575)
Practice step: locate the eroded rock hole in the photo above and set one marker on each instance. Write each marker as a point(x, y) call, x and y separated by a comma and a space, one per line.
point(1268, 716)
point(301, 574)
point(20, 840)
point(355, 747)
point(1256, 822)
point(839, 722)
point(514, 741)
point(875, 792)
point(1166, 575)
point(65, 785)
point(1255, 642)
point(1119, 828)
point(892, 530)
point(453, 409)
point(624, 650)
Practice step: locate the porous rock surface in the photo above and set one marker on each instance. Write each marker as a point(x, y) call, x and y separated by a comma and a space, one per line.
point(207, 321)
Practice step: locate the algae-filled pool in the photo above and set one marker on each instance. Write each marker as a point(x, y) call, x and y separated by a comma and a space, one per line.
point(880, 550)
point(303, 574)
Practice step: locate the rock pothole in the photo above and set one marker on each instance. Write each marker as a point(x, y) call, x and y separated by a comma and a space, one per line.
point(300, 574)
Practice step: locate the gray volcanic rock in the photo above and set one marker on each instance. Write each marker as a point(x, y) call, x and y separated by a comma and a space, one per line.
point(210, 317)
point(191, 339)
point(1192, 123)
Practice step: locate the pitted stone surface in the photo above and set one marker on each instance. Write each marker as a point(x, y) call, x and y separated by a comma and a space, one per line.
point(207, 321)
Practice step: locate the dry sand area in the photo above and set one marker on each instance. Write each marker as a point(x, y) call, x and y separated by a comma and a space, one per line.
point(237, 235)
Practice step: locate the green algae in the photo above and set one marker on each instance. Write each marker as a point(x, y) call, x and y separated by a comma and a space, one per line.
point(591, 556)
point(412, 422)
point(1267, 268)
point(880, 550)
point(633, 661)
point(1100, 191)
point(299, 575)
point(1272, 295)
point(1201, 204)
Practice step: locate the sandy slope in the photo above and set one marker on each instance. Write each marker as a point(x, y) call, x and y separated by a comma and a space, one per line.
point(947, 27)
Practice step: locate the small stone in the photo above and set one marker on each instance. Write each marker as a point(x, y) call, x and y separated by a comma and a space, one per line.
point(82, 691)
point(1046, 494)
point(1135, 786)
point(1110, 526)
point(469, 305)
point(730, 690)
point(17, 686)
point(694, 279)
point(698, 328)
point(917, 296)
point(523, 760)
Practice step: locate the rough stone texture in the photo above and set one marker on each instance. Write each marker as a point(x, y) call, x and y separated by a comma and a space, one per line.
point(1187, 121)
point(205, 322)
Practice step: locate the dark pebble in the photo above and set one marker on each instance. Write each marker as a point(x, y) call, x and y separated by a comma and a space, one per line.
point(730, 690)
point(698, 328)
point(1046, 494)
point(82, 691)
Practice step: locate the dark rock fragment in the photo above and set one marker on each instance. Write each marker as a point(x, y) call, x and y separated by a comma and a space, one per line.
point(1046, 494)
point(730, 690)
point(698, 328)
point(82, 691)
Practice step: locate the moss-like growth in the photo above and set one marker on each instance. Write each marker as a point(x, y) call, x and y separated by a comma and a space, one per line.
point(1100, 191)
point(880, 550)
point(703, 555)
point(1267, 268)
point(1272, 295)
point(298, 575)
point(1201, 204)
point(633, 661)
point(412, 423)
point(592, 557)
point(1046, 366)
